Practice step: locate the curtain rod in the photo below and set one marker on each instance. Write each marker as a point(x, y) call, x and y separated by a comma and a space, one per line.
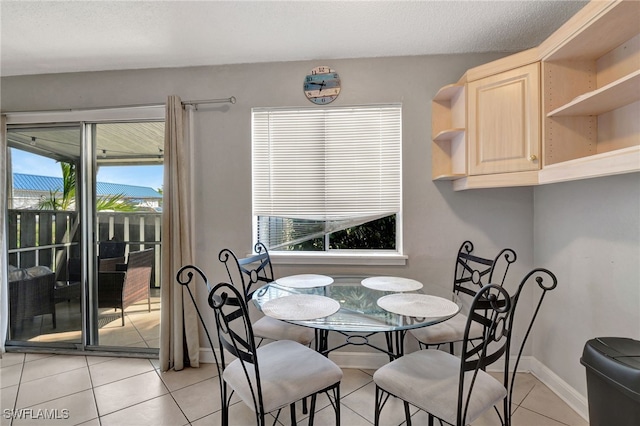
point(231, 100)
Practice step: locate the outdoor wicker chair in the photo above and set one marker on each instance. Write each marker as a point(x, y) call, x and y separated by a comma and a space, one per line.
point(121, 289)
point(31, 293)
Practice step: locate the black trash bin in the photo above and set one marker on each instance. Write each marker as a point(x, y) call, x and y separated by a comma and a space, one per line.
point(613, 381)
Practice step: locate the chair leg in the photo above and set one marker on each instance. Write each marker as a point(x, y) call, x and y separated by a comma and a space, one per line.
point(292, 408)
point(305, 409)
point(313, 408)
point(225, 412)
point(407, 414)
point(337, 397)
point(376, 414)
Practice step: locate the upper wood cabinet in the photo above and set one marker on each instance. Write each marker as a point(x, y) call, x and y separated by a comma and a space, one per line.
point(565, 110)
point(504, 122)
point(591, 94)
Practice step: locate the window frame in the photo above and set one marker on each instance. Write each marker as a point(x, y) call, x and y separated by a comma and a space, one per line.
point(339, 256)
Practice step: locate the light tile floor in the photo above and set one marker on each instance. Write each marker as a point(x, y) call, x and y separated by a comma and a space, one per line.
point(141, 328)
point(92, 390)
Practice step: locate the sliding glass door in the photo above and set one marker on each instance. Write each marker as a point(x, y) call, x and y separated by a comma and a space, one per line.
point(128, 218)
point(44, 235)
point(84, 199)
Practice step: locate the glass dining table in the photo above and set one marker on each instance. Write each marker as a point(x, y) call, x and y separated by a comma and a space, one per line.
point(357, 307)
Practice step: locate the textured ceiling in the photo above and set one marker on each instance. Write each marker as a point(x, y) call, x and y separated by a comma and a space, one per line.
point(65, 36)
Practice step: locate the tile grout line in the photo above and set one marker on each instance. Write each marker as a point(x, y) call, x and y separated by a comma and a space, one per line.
point(138, 403)
point(15, 400)
point(171, 392)
point(93, 390)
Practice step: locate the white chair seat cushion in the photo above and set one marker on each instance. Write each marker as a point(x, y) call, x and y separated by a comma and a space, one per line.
point(271, 328)
point(451, 330)
point(289, 372)
point(429, 380)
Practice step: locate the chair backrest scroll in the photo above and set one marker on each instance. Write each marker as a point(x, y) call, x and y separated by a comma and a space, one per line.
point(472, 271)
point(248, 271)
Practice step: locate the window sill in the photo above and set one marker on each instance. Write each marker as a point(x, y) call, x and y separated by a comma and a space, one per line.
point(359, 258)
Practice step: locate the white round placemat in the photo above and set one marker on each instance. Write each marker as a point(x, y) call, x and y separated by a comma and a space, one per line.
point(392, 284)
point(417, 305)
point(305, 281)
point(300, 307)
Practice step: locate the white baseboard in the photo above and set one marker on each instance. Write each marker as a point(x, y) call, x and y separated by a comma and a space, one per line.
point(373, 361)
point(360, 360)
point(206, 356)
point(568, 394)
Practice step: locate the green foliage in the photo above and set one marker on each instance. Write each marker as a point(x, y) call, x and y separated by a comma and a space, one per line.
point(53, 202)
point(377, 235)
point(115, 202)
point(68, 185)
point(66, 200)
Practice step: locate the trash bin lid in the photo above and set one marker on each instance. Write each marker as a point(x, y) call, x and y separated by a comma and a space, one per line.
point(617, 359)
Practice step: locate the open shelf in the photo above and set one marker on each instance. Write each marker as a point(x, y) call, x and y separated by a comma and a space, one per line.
point(447, 135)
point(620, 161)
point(614, 95)
point(449, 177)
point(448, 92)
point(448, 121)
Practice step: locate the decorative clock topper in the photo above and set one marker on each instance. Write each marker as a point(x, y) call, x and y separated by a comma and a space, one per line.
point(322, 85)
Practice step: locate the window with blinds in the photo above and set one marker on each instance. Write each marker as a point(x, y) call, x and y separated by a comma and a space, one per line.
point(327, 178)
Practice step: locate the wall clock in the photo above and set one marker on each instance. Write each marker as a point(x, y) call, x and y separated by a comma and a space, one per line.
point(322, 85)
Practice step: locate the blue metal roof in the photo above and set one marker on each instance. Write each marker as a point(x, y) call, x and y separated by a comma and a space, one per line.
point(26, 182)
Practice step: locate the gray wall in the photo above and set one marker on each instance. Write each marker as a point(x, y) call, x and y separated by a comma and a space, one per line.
point(586, 232)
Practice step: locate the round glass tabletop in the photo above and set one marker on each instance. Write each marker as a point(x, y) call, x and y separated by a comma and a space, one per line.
point(359, 308)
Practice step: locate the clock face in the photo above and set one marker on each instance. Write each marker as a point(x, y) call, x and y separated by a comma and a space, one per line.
point(322, 85)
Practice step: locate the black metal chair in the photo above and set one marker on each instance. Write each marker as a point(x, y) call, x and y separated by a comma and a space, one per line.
point(471, 273)
point(458, 390)
point(268, 378)
point(251, 272)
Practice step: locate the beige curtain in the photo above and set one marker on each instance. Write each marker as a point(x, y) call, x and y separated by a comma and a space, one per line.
point(179, 343)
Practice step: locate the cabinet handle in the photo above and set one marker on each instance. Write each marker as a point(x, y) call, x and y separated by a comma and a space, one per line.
point(532, 157)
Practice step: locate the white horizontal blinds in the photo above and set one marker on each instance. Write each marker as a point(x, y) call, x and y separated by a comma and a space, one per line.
point(362, 157)
point(288, 163)
point(321, 170)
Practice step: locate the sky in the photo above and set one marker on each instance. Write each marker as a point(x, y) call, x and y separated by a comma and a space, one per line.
point(150, 176)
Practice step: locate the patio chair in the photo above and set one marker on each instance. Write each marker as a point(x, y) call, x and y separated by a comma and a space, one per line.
point(31, 293)
point(110, 253)
point(471, 273)
point(267, 379)
point(121, 289)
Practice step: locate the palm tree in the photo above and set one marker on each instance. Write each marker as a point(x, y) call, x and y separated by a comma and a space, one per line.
point(116, 202)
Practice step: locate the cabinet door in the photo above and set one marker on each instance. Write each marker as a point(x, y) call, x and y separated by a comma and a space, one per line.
point(504, 122)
